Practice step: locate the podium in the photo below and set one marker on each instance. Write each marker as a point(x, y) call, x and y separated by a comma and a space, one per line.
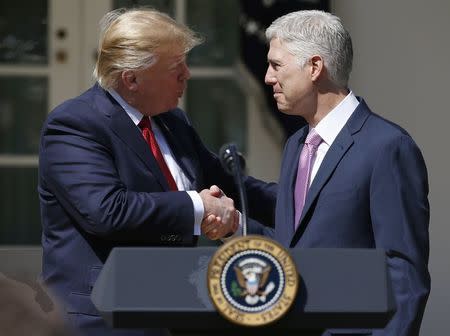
point(153, 287)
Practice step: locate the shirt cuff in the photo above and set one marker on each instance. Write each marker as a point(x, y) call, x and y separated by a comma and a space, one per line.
point(199, 211)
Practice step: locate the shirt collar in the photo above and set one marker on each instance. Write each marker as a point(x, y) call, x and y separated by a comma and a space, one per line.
point(134, 114)
point(330, 126)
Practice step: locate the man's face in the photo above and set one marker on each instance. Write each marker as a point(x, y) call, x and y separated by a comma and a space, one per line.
point(292, 85)
point(161, 85)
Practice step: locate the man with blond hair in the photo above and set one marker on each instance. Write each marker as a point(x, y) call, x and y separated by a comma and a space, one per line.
point(120, 165)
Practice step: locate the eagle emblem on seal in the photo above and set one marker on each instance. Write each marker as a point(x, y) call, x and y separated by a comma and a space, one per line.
point(252, 275)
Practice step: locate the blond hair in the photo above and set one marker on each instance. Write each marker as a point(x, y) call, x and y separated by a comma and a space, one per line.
point(130, 39)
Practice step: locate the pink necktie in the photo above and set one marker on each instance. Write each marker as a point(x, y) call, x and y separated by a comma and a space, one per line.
point(149, 137)
point(304, 171)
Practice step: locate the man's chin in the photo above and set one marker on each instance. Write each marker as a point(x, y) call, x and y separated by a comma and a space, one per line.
point(284, 109)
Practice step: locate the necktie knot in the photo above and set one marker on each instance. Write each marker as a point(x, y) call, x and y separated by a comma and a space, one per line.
point(313, 138)
point(145, 123)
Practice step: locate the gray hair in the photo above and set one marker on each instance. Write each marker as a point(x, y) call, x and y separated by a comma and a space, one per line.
point(131, 39)
point(313, 32)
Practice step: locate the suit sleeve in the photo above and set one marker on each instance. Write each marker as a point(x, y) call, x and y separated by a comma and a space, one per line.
point(400, 217)
point(79, 168)
point(261, 196)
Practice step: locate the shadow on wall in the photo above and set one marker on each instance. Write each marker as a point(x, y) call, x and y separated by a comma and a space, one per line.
point(27, 309)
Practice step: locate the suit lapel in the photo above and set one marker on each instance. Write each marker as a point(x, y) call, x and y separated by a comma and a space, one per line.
point(337, 150)
point(126, 130)
point(174, 137)
point(293, 174)
point(335, 154)
point(285, 227)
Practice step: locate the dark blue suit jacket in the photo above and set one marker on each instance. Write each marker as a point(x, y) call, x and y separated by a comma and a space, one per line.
point(369, 192)
point(100, 187)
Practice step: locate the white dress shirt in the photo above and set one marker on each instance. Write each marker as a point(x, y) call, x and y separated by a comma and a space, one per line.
point(178, 174)
point(330, 126)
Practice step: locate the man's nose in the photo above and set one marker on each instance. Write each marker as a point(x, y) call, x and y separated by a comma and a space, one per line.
point(269, 79)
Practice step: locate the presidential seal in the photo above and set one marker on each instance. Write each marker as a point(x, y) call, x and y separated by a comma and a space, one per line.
point(252, 280)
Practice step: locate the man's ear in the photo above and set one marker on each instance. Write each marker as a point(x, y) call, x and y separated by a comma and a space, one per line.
point(129, 80)
point(317, 67)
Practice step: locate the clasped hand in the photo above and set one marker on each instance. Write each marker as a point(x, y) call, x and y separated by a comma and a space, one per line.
point(221, 217)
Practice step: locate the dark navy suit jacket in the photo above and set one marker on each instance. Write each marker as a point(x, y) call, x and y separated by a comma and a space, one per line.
point(369, 192)
point(100, 187)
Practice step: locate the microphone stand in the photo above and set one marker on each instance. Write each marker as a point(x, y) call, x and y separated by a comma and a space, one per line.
point(231, 162)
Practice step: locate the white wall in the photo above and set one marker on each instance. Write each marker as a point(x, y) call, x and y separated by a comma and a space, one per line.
point(401, 68)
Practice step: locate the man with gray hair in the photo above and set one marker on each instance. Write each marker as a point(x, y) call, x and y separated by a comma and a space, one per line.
point(349, 179)
point(120, 165)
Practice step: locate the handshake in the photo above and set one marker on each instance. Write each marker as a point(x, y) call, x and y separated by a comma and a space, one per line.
point(221, 218)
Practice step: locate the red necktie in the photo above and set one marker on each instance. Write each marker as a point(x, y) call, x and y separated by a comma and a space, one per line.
point(149, 136)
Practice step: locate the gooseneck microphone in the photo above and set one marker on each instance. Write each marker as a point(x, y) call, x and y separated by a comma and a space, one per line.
point(233, 162)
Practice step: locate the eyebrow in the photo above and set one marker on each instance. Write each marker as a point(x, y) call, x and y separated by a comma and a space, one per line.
point(273, 60)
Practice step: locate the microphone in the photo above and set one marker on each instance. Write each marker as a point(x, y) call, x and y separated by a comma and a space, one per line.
point(233, 162)
point(227, 156)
